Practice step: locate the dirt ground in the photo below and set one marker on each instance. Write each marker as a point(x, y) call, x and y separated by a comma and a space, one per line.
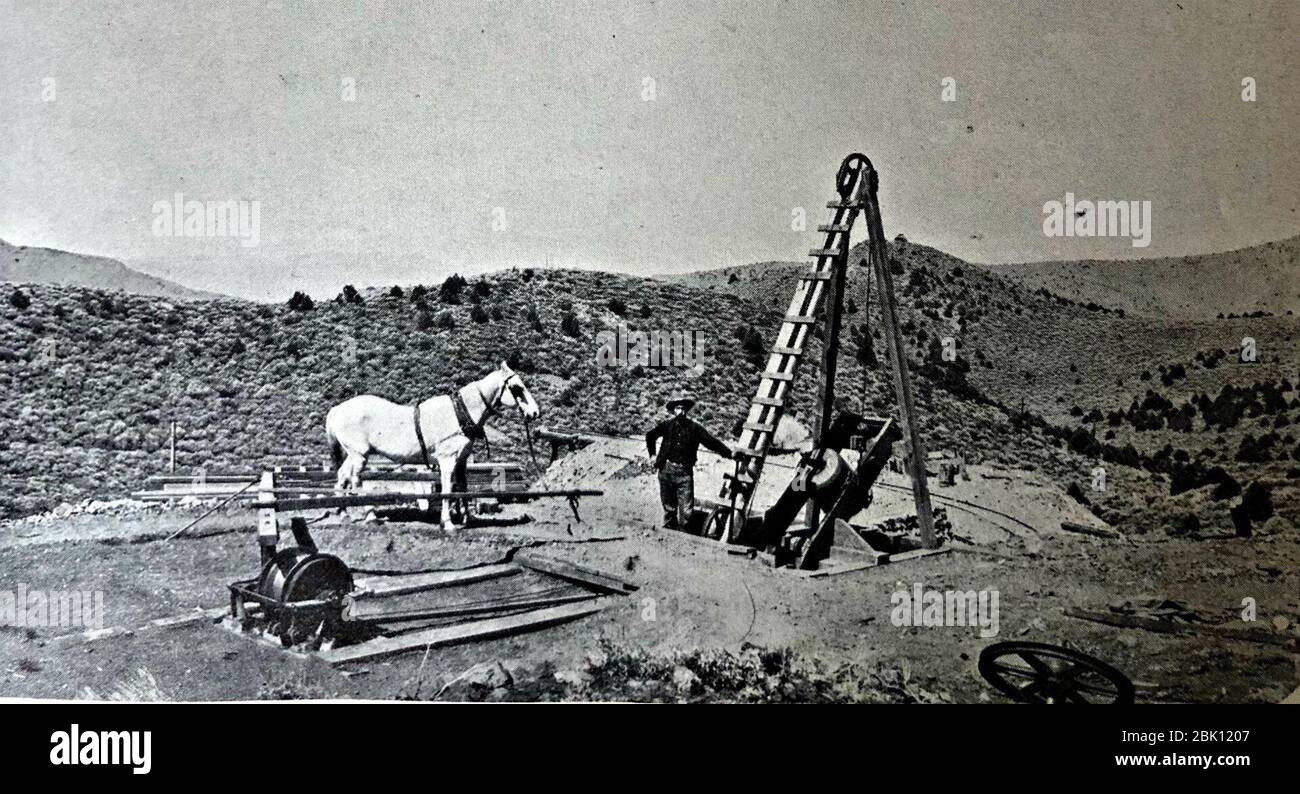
point(693, 596)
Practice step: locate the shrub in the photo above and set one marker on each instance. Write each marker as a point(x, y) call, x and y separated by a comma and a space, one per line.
point(482, 289)
point(349, 296)
point(617, 306)
point(300, 302)
point(445, 321)
point(418, 293)
point(451, 289)
point(395, 292)
point(569, 324)
point(19, 300)
point(1226, 489)
point(753, 347)
point(478, 314)
point(533, 318)
point(1257, 502)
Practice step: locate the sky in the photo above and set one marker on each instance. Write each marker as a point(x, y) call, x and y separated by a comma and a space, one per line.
point(389, 142)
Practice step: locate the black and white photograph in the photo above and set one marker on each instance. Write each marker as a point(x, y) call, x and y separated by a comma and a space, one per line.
point(653, 352)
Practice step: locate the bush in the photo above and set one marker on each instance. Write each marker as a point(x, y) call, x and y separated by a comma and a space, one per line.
point(478, 314)
point(418, 293)
point(19, 300)
point(482, 289)
point(1257, 502)
point(569, 324)
point(617, 306)
point(451, 289)
point(445, 321)
point(534, 319)
point(300, 302)
point(423, 320)
point(753, 347)
point(395, 292)
point(349, 296)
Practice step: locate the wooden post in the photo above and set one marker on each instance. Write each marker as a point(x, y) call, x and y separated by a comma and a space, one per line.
point(268, 526)
point(898, 359)
point(172, 468)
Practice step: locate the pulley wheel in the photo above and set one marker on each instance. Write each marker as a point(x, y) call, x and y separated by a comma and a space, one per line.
point(295, 575)
point(1035, 672)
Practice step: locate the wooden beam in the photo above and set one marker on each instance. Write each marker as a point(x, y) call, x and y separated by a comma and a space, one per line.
point(463, 632)
point(1162, 626)
point(380, 586)
point(898, 360)
point(572, 572)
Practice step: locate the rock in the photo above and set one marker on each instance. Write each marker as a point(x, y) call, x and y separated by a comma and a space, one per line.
point(686, 681)
point(575, 679)
point(477, 682)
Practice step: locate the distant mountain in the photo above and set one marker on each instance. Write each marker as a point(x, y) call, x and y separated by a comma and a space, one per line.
point(1260, 278)
point(29, 265)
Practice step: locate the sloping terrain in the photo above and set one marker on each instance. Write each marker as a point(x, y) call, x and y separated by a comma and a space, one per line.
point(91, 380)
point(22, 264)
point(1160, 403)
point(1259, 278)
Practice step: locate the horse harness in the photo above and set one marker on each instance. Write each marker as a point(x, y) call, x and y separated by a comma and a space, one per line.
point(468, 427)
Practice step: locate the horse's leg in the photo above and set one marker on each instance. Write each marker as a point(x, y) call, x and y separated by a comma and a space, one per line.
point(350, 472)
point(446, 464)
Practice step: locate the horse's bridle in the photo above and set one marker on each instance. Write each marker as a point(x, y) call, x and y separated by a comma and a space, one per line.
point(490, 408)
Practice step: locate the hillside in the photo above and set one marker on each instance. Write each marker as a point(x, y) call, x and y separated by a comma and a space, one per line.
point(28, 265)
point(1170, 399)
point(89, 380)
point(1260, 278)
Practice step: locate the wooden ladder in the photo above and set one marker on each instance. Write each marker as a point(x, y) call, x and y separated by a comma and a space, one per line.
point(774, 388)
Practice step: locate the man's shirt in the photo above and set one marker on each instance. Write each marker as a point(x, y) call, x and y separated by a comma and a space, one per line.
point(682, 437)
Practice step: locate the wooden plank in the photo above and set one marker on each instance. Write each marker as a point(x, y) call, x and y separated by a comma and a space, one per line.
point(572, 572)
point(464, 632)
point(367, 500)
point(904, 556)
point(804, 319)
point(907, 418)
point(374, 586)
point(1162, 626)
point(382, 613)
point(1083, 529)
point(781, 376)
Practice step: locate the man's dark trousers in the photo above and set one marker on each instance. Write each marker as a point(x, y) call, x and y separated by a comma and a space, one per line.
point(677, 493)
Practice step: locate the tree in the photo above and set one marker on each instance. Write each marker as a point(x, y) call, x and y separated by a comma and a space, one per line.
point(300, 302)
point(451, 289)
point(19, 300)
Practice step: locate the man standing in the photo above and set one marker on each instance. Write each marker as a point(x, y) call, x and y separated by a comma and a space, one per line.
point(675, 460)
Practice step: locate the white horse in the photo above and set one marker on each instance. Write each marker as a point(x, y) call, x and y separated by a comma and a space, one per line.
point(405, 434)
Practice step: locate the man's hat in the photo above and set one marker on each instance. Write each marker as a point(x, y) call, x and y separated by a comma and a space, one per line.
point(680, 397)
